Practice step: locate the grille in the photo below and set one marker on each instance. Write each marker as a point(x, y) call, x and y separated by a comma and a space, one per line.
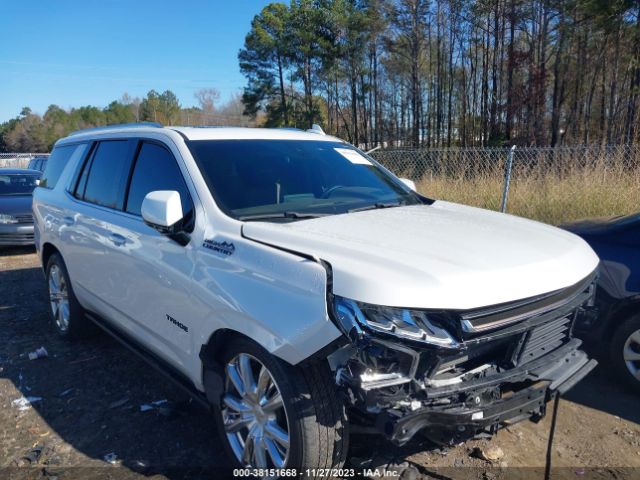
point(543, 339)
point(474, 321)
point(15, 238)
point(24, 218)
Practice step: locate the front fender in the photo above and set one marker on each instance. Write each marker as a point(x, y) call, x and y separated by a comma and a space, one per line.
point(276, 298)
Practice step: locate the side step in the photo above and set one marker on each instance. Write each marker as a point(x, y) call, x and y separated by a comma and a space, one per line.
point(153, 360)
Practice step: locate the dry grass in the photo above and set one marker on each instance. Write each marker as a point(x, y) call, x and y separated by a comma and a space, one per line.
point(547, 194)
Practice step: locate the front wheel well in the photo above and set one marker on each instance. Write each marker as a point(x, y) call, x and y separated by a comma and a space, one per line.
point(210, 352)
point(621, 315)
point(212, 372)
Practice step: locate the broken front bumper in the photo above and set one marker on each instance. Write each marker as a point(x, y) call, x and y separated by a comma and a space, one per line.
point(490, 379)
point(535, 386)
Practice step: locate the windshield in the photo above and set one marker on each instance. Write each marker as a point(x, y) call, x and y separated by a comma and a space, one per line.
point(17, 184)
point(294, 179)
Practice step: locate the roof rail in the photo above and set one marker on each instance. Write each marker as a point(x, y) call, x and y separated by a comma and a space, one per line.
point(118, 125)
point(315, 128)
point(205, 126)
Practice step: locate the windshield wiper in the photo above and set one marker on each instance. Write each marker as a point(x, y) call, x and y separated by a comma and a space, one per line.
point(374, 207)
point(287, 214)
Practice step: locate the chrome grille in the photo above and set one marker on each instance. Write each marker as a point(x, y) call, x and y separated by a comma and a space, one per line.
point(475, 321)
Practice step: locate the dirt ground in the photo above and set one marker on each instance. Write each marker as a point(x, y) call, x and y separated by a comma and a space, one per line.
point(91, 393)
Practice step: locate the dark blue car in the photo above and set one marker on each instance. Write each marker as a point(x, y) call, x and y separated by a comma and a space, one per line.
point(615, 332)
point(16, 197)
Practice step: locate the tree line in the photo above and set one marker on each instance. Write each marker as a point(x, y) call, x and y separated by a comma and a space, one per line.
point(30, 132)
point(441, 73)
point(433, 73)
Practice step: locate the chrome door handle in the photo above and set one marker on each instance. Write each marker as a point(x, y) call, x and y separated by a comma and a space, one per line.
point(117, 239)
point(68, 221)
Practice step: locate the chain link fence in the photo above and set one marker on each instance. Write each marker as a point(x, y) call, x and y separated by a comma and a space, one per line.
point(18, 160)
point(553, 185)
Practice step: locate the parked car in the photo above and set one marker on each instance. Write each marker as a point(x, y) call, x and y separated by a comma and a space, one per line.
point(16, 219)
point(296, 286)
point(38, 163)
point(615, 333)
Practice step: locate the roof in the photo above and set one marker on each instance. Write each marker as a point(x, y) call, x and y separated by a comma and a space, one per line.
point(208, 133)
point(244, 133)
point(19, 171)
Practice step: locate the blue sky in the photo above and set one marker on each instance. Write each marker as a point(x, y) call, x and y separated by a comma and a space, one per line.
point(74, 53)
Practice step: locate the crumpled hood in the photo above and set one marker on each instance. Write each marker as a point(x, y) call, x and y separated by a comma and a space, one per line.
point(442, 255)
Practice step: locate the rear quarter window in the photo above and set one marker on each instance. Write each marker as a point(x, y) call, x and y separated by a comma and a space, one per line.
point(58, 160)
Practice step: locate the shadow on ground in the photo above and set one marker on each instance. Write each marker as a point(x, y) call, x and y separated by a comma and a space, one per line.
point(15, 251)
point(91, 394)
point(601, 391)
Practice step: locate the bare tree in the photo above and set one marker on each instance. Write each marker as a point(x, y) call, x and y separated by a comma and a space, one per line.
point(207, 99)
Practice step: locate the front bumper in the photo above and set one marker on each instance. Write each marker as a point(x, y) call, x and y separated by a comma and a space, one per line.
point(16, 234)
point(492, 379)
point(534, 386)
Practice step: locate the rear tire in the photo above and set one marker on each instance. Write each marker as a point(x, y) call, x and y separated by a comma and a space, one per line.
point(624, 352)
point(312, 430)
point(68, 316)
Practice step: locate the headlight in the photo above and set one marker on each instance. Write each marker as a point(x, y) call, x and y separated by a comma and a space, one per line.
point(401, 322)
point(6, 219)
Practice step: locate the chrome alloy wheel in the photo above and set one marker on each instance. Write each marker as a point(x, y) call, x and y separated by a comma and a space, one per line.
point(631, 354)
point(59, 298)
point(253, 413)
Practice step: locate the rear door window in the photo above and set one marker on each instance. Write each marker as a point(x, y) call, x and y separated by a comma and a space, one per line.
point(104, 177)
point(156, 169)
point(57, 161)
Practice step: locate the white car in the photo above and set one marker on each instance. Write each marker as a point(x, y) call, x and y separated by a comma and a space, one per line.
point(296, 286)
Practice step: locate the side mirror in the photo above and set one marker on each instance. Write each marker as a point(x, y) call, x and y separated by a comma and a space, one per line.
point(409, 183)
point(162, 210)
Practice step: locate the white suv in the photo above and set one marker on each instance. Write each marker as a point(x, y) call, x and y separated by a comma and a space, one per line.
point(296, 287)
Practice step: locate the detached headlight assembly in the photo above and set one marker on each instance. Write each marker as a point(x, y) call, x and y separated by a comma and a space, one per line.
point(7, 219)
point(401, 322)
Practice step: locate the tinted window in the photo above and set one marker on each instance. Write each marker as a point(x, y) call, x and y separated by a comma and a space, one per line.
point(57, 161)
point(156, 169)
point(108, 173)
point(262, 177)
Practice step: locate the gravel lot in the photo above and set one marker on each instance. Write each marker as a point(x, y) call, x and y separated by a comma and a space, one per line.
point(91, 393)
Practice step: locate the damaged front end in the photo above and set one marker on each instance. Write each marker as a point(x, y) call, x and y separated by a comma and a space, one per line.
point(456, 374)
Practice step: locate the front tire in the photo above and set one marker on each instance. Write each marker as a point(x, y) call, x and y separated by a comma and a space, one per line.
point(68, 316)
point(625, 352)
point(273, 415)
